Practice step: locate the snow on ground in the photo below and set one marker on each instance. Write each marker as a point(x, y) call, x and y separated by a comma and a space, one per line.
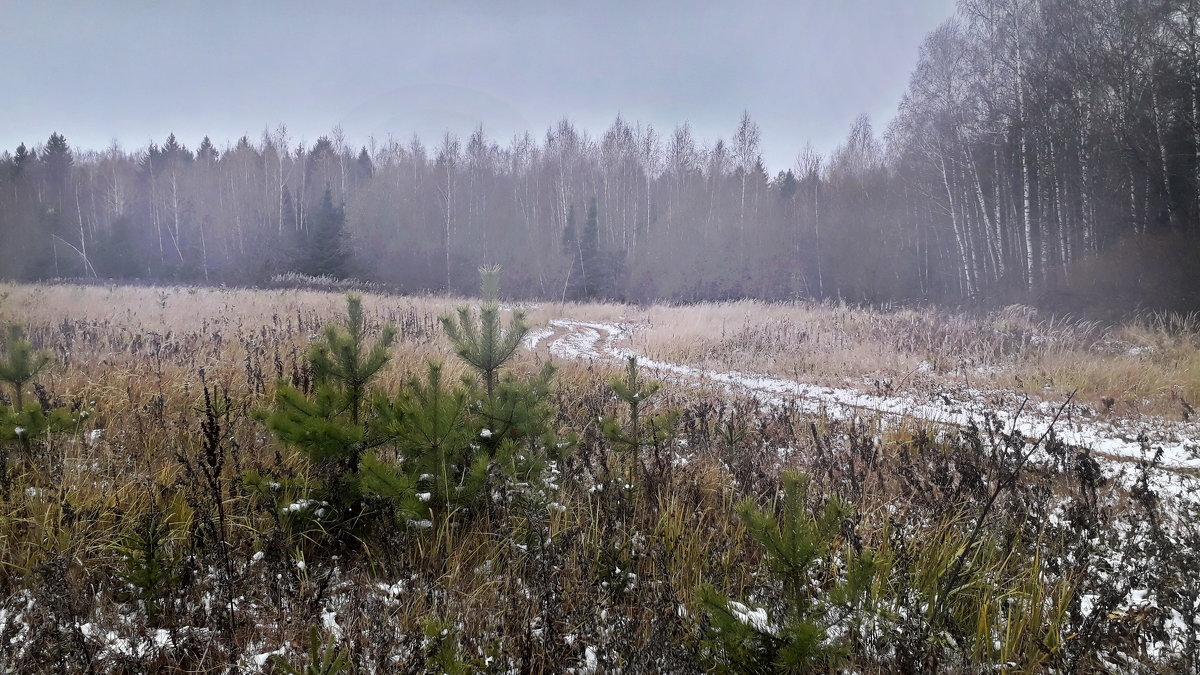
point(535, 336)
point(1179, 443)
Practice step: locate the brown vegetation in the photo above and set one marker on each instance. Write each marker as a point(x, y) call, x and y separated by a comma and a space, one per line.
point(1075, 568)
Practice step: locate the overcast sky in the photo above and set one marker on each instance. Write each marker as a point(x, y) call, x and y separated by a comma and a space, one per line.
point(136, 71)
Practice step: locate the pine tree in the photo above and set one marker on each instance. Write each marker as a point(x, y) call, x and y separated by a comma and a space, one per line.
point(635, 391)
point(483, 342)
point(150, 553)
point(453, 453)
point(323, 658)
point(341, 360)
point(443, 468)
point(327, 428)
point(21, 363)
point(23, 423)
point(793, 634)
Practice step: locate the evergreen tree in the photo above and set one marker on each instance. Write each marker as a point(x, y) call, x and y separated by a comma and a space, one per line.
point(327, 427)
point(787, 184)
point(656, 432)
point(24, 423)
point(172, 149)
point(590, 255)
point(452, 453)
point(633, 390)
point(341, 360)
point(365, 167)
point(58, 160)
point(483, 342)
point(21, 363)
point(21, 159)
point(289, 211)
point(327, 253)
point(443, 468)
point(322, 658)
point(574, 252)
point(592, 272)
point(207, 152)
point(796, 632)
point(117, 252)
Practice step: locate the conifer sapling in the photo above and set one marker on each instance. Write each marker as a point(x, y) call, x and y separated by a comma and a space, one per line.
point(327, 427)
point(23, 423)
point(483, 342)
point(21, 363)
point(796, 633)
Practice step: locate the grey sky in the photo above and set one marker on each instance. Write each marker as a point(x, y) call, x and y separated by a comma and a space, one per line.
point(136, 71)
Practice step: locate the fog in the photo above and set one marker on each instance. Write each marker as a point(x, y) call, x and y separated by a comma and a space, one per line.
point(992, 151)
point(138, 71)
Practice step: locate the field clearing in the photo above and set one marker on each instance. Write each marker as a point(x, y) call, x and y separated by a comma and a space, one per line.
point(601, 574)
point(1145, 367)
point(1131, 381)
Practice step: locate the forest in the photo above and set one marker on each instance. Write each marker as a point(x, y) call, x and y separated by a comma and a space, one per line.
point(616, 400)
point(1045, 152)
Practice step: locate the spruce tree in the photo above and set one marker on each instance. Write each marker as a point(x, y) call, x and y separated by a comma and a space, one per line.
point(22, 159)
point(573, 250)
point(593, 268)
point(591, 256)
point(365, 167)
point(327, 253)
point(117, 253)
point(173, 150)
point(482, 341)
point(58, 159)
point(207, 152)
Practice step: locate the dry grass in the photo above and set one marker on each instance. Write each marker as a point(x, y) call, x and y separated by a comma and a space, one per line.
point(1150, 365)
point(611, 570)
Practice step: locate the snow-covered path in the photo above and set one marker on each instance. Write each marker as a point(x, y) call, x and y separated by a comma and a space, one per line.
point(1179, 442)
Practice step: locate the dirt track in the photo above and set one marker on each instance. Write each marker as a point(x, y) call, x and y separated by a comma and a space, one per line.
point(1125, 440)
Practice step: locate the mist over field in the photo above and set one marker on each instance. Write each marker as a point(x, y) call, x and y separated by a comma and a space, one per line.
point(1043, 154)
point(612, 338)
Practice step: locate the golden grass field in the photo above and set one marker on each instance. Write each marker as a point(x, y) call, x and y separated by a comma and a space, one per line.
point(1074, 568)
point(1149, 365)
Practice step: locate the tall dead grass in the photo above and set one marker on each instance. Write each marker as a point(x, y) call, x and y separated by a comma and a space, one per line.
point(609, 568)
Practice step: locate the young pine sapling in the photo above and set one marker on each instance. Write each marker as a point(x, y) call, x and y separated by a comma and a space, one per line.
point(482, 341)
point(21, 363)
point(328, 427)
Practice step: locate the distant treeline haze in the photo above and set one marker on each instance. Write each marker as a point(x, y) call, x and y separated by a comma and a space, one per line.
point(1045, 149)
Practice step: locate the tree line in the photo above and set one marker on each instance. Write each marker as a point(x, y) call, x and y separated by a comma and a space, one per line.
point(1044, 149)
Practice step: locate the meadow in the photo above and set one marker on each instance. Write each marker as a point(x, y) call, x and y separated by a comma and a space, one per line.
point(178, 515)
